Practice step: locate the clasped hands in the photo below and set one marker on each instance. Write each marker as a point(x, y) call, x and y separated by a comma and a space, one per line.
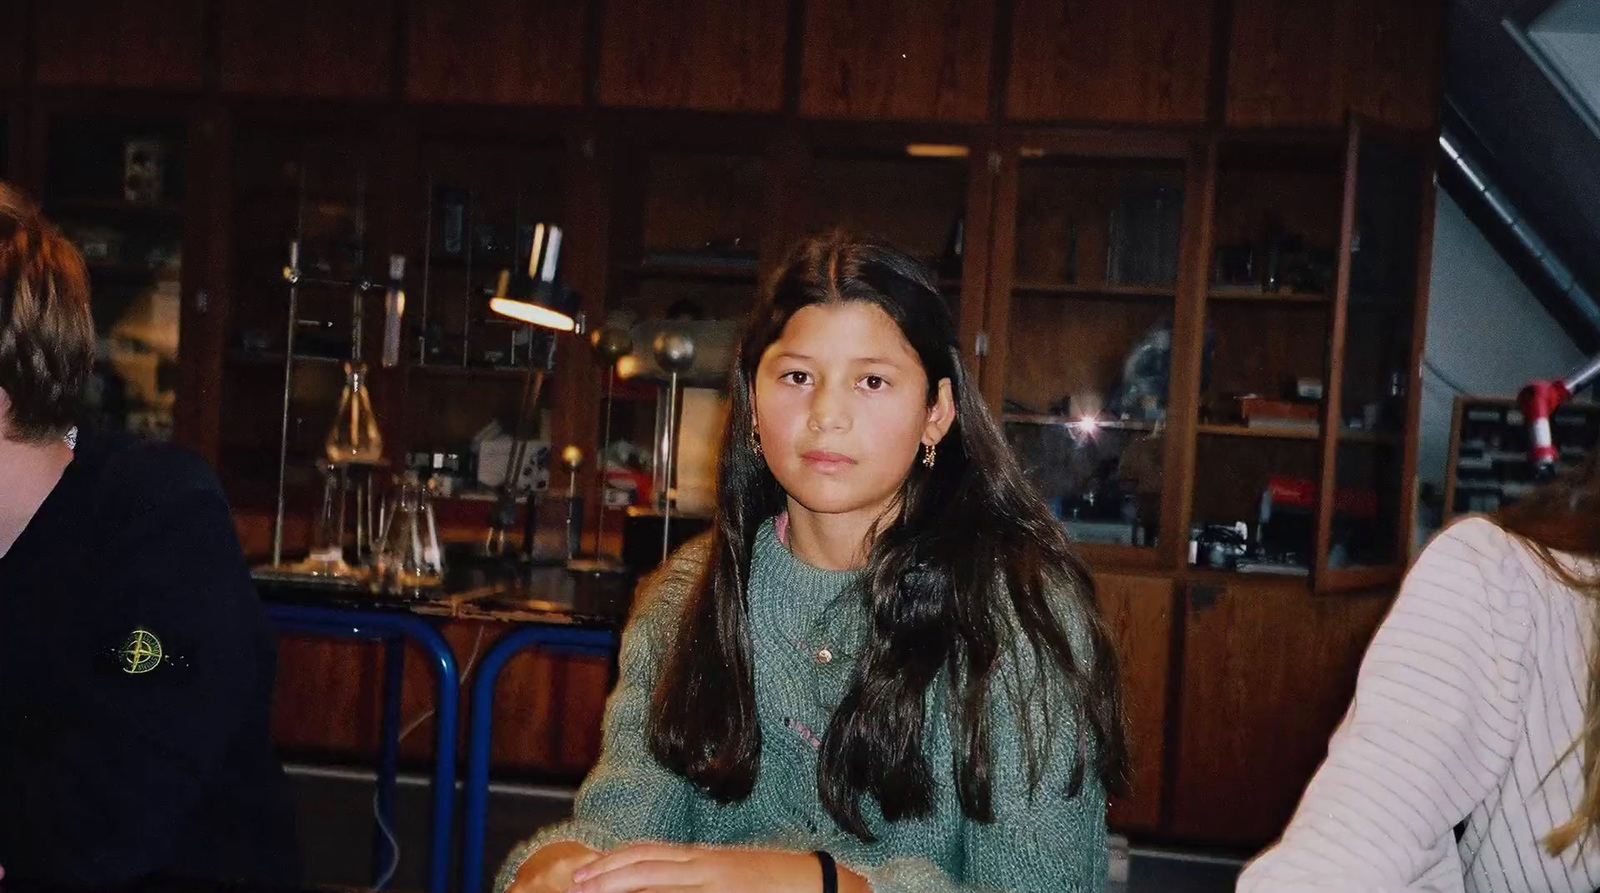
point(570, 867)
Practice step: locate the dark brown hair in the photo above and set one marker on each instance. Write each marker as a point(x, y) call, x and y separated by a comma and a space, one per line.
point(971, 556)
point(46, 334)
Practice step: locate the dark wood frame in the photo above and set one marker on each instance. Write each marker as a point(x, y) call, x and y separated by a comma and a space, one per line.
point(1101, 143)
point(1325, 578)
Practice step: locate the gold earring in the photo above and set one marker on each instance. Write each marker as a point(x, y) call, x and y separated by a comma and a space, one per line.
point(927, 454)
point(755, 443)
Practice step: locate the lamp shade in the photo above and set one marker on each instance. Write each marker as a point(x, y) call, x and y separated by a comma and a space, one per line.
point(536, 295)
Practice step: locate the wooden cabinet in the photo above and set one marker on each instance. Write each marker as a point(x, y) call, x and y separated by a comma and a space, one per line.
point(1310, 356)
point(310, 183)
point(6, 140)
point(306, 47)
point(1135, 62)
point(496, 51)
point(1292, 63)
point(329, 703)
point(1267, 672)
point(716, 55)
point(917, 59)
point(13, 43)
point(116, 183)
point(1094, 269)
point(121, 43)
point(1139, 613)
point(1129, 243)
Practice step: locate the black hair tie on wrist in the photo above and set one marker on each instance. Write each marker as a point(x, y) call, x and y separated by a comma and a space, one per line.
point(830, 871)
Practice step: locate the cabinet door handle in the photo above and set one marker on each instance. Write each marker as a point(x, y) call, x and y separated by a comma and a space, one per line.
point(1203, 596)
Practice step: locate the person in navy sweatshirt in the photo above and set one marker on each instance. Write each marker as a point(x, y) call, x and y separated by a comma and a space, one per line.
point(136, 662)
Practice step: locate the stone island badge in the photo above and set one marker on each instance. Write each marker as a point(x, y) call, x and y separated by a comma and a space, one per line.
point(140, 653)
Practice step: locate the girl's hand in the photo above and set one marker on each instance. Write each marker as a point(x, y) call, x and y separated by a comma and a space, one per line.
point(550, 868)
point(643, 867)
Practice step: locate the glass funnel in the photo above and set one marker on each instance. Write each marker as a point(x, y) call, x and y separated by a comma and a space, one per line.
point(354, 438)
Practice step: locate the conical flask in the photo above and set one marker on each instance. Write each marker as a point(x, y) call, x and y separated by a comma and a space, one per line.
point(326, 560)
point(410, 559)
point(354, 438)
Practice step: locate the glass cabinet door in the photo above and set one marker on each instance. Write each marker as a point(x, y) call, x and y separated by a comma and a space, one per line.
point(1272, 257)
point(115, 186)
point(915, 196)
point(1365, 509)
point(466, 366)
point(310, 185)
point(1087, 334)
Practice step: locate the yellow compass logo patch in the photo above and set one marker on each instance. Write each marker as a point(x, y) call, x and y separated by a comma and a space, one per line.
point(141, 653)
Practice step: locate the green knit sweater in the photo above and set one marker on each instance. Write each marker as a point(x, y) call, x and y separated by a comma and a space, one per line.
point(1038, 843)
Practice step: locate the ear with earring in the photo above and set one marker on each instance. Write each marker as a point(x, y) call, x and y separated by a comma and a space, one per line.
point(928, 450)
point(755, 441)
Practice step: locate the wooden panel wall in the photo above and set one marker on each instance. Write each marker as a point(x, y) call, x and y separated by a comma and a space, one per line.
point(326, 48)
point(1397, 60)
point(123, 43)
point(13, 42)
point(547, 709)
point(496, 51)
point(1142, 61)
point(1139, 611)
point(1293, 63)
point(1139, 61)
point(923, 59)
point(1260, 656)
point(717, 55)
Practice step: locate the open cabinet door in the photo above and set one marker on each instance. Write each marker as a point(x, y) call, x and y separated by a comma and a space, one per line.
point(1366, 496)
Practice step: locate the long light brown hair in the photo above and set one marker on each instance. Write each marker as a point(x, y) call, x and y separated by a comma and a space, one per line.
point(1564, 517)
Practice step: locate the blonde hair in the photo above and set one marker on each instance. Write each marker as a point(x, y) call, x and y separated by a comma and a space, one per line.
point(46, 334)
point(1564, 517)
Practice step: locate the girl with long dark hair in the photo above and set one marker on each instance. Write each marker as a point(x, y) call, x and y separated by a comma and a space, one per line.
point(883, 668)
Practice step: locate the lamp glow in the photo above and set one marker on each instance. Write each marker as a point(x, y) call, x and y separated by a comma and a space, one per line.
point(533, 314)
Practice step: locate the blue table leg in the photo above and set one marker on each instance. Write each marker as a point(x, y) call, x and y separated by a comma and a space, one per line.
point(480, 725)
point(394, 674)
point(448, 710)
point(342, 623)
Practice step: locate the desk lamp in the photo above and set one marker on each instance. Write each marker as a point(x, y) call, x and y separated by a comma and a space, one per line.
point(535, 296)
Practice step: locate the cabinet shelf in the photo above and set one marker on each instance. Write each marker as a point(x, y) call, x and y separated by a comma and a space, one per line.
point(121, 271)
point(442, 370)
point(1270, 433)
point(1349, 435)
point(1073, 289)
point(115, 206)
point(704, 271)
point(481, 262)
point(1036, 418)
point(1250, 293)
point(1362, 435)
point(276, 359)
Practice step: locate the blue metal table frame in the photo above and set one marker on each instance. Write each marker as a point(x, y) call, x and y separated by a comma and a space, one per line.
point(555, 638)
point(392, 627)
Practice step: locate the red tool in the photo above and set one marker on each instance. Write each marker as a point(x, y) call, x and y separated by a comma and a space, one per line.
point(1538, 400)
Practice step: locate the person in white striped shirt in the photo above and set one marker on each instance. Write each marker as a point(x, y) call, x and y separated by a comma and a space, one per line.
point(1469, 759)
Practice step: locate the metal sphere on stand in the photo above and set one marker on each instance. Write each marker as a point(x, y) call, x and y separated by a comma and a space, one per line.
point(612, 343)
point(674, 351)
